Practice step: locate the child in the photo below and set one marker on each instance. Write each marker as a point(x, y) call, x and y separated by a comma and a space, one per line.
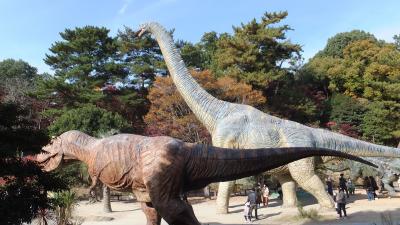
point(247, 212)
point(341, 201)
point(350, 186)
point(336, 204)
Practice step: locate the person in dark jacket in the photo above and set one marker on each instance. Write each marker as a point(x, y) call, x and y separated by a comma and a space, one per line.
point(341, 201)
point(329, 186)
point(368, 188)
point(342, 184)
point(252, 198)
point(374, 186)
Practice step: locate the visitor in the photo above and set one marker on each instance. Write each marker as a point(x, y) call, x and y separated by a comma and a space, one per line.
point(279, 190)
point(341, 201)
point(265, 195)
point(374, 186)
point(368, 188)
point(247, 212)
point(329, 185)
point(350, 186)
point(259, 195)
point(334, 196)
point(252, 198)
point(342, 184)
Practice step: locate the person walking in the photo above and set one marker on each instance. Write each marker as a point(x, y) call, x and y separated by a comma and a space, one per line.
point(374, 186)
point(329, 185)
point(341, 201)
point(342, 184)
point(252, 198)
point(350, 186)
point(259, 195)
point(265, 195)
point(368, 188)
point(246, 212)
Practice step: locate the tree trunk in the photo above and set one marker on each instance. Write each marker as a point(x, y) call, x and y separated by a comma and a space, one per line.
point(106, 199)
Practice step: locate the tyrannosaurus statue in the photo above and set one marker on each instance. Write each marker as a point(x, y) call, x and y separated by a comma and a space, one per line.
point(241, 126)
point(158, 169)
point(388, 170)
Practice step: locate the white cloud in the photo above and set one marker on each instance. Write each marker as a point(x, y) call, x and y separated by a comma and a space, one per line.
point(125, 5)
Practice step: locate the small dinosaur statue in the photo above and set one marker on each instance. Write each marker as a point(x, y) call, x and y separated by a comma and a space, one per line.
point(158, 169)
point(241, 126)
point(388, 170)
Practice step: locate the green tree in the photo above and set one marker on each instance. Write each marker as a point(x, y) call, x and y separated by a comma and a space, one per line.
point(18, 132)
point(381, 123)
point(92, 68)
point(257, 53)
point(337, 43)
point(200, 55)
point(191, 54)
point(208, 45)
point(83, 62)
point(396, 39)
point(11, 68)
point(346, 109)
point(142, 57)
point(368, 72)
point(89, 119)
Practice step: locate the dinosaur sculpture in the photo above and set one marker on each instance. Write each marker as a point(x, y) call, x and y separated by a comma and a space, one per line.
point(241, 126)
point(158, 169)
point(388, 170)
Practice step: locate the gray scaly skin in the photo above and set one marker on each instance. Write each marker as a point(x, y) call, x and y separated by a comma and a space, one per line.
point(241, 126)
point(388, 170)
point(158, 169)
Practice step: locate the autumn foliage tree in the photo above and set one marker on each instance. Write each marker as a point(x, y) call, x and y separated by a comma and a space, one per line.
point(367, 71)
point(170, 115)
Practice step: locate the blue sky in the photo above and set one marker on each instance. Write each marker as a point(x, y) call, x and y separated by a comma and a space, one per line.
point(28, 28)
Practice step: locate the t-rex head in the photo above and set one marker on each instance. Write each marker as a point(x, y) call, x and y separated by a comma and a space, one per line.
point(51, 155)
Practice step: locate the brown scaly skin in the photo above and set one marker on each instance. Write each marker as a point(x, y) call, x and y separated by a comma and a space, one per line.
point(158, 169)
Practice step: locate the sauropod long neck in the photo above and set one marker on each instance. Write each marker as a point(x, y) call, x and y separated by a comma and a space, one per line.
point(207, 108)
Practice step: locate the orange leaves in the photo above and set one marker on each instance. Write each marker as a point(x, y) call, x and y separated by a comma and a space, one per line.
point(170, 115)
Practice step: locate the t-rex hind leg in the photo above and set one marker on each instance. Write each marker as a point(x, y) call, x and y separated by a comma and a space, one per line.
point(152, 216)
point(92, 193)
point(176, 212)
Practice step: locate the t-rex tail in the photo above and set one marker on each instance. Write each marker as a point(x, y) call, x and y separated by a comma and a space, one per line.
point(207, 164)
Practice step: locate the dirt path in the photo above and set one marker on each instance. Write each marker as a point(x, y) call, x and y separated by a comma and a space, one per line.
point(360, 211)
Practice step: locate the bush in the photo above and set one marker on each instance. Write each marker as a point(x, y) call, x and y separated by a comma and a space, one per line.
point(23, 191)
point(64, 203)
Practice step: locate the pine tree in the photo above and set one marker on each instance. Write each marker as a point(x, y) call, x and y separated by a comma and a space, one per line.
point(257, 53)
